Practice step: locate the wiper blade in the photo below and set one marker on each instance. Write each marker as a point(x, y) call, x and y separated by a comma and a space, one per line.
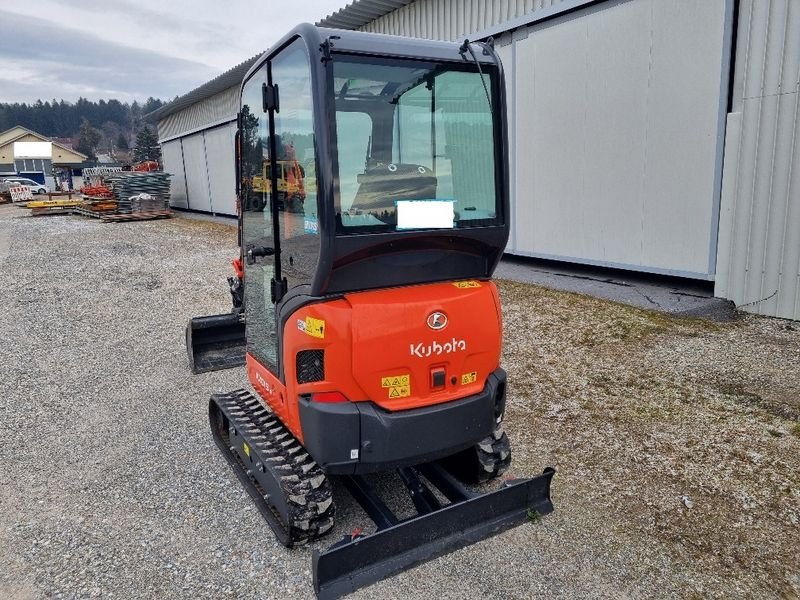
point(467, 46)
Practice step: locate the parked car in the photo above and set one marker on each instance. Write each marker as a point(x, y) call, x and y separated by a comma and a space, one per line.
point(36, 188)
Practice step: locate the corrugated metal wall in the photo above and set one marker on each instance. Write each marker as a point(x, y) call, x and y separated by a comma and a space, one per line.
point(202, 168)
point(221, 166)
point(449, 20)
point(610, 103)
point(211, 111)
point(606, 104)
point(759, 239)
point(172, 157)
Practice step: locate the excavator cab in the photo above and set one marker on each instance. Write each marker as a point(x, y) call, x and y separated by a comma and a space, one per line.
point(365, 311)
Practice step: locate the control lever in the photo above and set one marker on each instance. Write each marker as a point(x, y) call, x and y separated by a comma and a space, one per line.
point(256, 251)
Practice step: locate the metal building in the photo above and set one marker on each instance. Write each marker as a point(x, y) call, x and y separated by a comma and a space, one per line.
point(647, 135)
point(196, 132)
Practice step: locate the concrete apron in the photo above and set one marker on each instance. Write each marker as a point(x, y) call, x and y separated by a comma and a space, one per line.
point(655, 292)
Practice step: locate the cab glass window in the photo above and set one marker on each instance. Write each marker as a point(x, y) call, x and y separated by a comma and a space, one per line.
point(415, 145)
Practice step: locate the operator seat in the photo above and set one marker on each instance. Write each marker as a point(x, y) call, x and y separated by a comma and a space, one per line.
point(380, 187)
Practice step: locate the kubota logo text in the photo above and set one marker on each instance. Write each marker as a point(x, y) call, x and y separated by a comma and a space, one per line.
point(437, 349)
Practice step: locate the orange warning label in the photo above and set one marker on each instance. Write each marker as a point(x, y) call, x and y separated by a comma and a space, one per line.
point(397, 386)
point(395, 380)
point(313, 327)
point(471, 283)
point(399, 391)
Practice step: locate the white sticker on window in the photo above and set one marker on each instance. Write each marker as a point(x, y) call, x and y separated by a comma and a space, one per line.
point(425, 214)
point(354, 454)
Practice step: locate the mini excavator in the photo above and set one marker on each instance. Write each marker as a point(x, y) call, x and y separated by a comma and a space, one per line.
point(365, 314)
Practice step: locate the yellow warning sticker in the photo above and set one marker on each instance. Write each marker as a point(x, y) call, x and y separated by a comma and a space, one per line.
point(468, 378)
point(313, 327)
point(467, 284)
point(395, 381)
point(246, 449)
point(399, 391)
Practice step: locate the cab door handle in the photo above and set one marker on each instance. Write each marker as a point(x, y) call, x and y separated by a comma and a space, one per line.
point(256, 251)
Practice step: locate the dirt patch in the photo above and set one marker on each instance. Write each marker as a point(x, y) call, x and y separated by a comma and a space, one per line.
point(676, 429)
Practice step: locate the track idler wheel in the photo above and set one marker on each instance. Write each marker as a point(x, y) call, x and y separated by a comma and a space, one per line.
point(482, 462)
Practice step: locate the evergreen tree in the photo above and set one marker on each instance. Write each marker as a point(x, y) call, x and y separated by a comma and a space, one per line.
point(58, 118)
point(88, 138)
point(147, 147)
point(122, 142)
point(151, 105)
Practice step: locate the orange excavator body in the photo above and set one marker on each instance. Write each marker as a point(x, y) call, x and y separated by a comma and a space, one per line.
point(363, 306)
point(379, 347)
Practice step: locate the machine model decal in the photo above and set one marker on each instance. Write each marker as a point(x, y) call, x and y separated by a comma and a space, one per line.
point(313, 327)
point(263, 382)
point(467, 284)
point(397, 386)
point(437, 320)
point(468, 378)
point(436, 349)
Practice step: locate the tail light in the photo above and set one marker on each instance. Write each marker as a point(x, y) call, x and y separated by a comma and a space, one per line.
point(328, 397)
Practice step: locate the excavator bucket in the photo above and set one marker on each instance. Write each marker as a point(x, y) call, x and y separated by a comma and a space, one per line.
point(215, 342)
point(398, 545)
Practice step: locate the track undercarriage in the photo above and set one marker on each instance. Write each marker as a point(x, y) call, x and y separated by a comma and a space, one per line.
point(287, 486)
point(295, 497)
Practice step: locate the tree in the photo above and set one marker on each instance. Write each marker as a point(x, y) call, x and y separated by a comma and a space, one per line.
point(63, 119)
point(122, 142)
point(151, 104)
point(88, 138)
point(147, 147)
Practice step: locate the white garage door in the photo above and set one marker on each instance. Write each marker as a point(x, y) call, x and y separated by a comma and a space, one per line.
point(616, 142)
point(220, 159)
point(172, 156)
point(194, 161)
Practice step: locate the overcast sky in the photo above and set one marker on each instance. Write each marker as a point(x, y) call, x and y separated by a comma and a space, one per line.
point(132, 49)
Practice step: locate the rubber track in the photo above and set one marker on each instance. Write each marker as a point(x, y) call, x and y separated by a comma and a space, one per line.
point(306, 490)
point(494, 455)
point(482, 462)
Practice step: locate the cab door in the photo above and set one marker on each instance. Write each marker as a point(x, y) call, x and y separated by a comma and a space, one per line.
point(296, 213)
point(257, 223)
point(280, 232)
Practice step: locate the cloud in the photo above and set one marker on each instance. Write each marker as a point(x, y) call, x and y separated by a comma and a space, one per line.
point(132, 49)
point(42, 60)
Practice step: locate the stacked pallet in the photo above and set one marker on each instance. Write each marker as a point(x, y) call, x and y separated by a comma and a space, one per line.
point(128, 184)
point(96, 208)
point(142, 203)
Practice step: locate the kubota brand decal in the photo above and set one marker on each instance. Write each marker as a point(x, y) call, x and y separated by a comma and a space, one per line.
point(422, 350)
point(437, 320)
point(397, 386)
point(467, 284)
point(311, 326)
point(468, 378)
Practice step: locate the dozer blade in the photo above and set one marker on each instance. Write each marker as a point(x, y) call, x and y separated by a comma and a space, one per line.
point(215, 342)
point(350, 565)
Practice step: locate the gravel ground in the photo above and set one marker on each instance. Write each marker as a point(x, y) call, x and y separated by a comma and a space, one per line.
point(677, 441)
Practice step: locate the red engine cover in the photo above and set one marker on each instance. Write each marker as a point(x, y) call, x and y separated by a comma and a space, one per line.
point(401, 337)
